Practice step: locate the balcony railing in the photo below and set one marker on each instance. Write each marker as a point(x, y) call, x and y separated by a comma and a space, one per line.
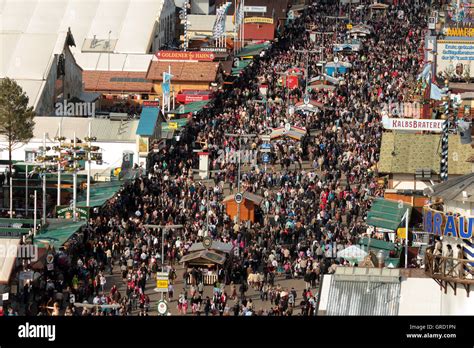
point(449, 269)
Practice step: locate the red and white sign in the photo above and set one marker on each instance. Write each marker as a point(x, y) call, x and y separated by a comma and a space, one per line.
point(185, 56)
point(413, 124)
point(190, 96)
point(263, 89)
point(153, 104)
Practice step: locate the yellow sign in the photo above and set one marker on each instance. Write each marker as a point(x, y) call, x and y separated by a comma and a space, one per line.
point(143, 145)
point(349, 26)
point(402, 232)
point(173, 125)
point(258, 20)
point(460, 32)
point(117, 171)
point(162, 284)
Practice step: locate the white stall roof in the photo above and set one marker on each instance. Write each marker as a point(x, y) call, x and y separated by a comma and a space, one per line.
point(118, 61)
point(130, 22)
point(7, 261)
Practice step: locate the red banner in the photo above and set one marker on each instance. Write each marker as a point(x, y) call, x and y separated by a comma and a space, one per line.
point(193, 96)
point(179, 55)
point(150, 103)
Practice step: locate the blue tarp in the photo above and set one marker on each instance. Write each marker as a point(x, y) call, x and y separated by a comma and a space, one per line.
point(148, 118)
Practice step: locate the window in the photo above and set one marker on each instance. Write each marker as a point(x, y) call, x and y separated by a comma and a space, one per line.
point(30, 155)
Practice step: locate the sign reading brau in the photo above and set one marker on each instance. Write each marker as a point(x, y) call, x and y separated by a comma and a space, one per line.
point(446, 224)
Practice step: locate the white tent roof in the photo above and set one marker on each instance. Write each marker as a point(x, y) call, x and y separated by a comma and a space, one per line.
point(7, 262)
point(131, 22)
point(118, 62)
point(205, 23)
point(103, 129)
point(354, 252)
point(32, 31)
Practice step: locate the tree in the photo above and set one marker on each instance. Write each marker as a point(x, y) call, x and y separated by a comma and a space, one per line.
point(16, 119)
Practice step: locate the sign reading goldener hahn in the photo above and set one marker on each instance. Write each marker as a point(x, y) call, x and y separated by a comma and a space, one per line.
point(413, 124)
point(180, 56)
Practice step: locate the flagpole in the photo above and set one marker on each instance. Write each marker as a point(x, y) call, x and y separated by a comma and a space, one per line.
point(163, 92)
point(169, 95)
point(406, 239)
point(243, 23)
point(235, 24)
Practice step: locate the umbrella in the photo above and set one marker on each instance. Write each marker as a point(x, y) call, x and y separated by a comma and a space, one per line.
point(353, 254)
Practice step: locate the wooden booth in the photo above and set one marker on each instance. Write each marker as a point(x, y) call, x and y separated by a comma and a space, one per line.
point(248, 205)
point(207, 260)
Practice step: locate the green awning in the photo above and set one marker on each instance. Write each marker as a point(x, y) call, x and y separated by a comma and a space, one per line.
point(57, 233)
point(191, 107)
point(252, 50)
point(392, 262)
point(11, 222)
point(168, 126)
point(242, 64)
point(14, 230)
point(387, 214)
point(377, 244)
point(100, 193)
point(51, 178)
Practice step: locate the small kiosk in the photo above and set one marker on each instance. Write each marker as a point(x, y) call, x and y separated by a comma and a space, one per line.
point(206, 259)
point(249, 204)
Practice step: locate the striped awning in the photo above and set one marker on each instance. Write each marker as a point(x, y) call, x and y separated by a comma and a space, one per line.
point(294, 133)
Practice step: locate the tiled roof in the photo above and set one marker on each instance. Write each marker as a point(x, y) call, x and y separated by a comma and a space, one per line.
point(119, 81)
point(184, 71)
point(416, 151)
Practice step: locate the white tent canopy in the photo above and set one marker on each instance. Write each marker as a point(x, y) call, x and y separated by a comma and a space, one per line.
point(353, 254)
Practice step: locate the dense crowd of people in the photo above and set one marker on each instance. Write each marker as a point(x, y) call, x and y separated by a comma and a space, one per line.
point(307, 214)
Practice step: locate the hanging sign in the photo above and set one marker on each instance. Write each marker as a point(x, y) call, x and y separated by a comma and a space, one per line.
point(444, 224)
point(186, 56)
point(66, 212)
point(238, 198)
point(413, 124)
point(259, 20)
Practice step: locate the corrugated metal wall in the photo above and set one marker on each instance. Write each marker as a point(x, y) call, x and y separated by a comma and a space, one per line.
point(363, 298)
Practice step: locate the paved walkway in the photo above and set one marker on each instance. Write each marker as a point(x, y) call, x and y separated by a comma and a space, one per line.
point(116, 278)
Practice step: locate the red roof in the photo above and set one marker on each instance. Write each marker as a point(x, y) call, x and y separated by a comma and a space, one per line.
point(184, 71)
point(259, 31)
point(116, 81)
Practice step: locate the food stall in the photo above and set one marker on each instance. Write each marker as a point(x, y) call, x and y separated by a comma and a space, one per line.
point(208, 257)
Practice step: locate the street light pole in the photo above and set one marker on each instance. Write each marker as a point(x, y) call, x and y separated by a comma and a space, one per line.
point(240, 136)
point(89, 168)
point(34, 215)
point(59, 167)
point(44, 180)
point(26, 190)
point(307, 52)
point(163, 228)
point(74, 189)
